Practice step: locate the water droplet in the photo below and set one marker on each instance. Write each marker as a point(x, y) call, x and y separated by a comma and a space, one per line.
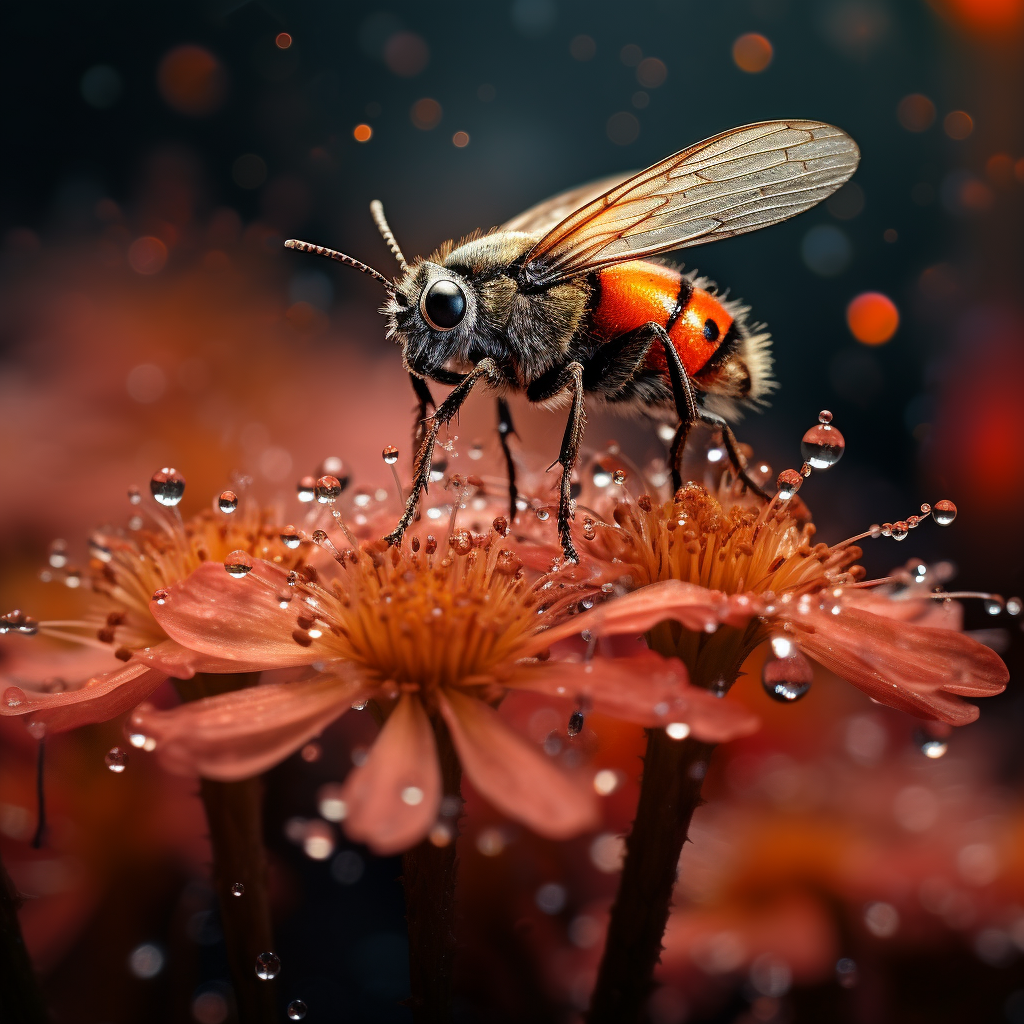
point(476, 453)
point(296, 1010)
point(390, 455)
point(507, 563)
point(412, 795)
point(824, 416)
point(328, 489)
point(788, 483)
point(822, 446)
point(134, 495)
point(238, 564)
point(932, 747)
point(543, 515)
point(237, 889)
point(98, 549)
point(589, 532)
point(160, 596)
point(666, 432)
point(575, 724)
point(1014, 606)
point(944, 512)
point(993, 605)
point(787, 675)
point(227, 501)
point(900, 530)
point(619, 476)
point(601, 476)
point(290, 537)
point(500, 526)
point(462, 542)
point(268, 966)
point(306, 489)
point(14, 696)
point(677, 730)
point(438, 468)
point(167, 486)
point(116, 760)
point(36, 729)
point(59, 554)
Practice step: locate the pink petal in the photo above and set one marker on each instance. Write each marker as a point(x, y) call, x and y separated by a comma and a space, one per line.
point(920, 611)
point(913, 668)
point(180, 662)
point(644, 688)
point(239, 734)
point(512, 774)
point(101, 698)
point(237, 619)
point(695, 608)
point(394, 796)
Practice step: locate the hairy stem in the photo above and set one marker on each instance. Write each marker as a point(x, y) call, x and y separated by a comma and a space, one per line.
point(429, 876)
point(234, 814)
point(21, 999)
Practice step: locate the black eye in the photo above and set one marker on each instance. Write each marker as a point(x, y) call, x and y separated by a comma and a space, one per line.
point(444, 305)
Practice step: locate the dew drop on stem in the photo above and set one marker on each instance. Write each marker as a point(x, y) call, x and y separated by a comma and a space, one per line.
point(167, 486)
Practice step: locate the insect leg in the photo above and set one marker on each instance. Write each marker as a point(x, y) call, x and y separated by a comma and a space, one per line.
point(505, 430)
point(738, 462)
point(444, 414)
point(425, 401)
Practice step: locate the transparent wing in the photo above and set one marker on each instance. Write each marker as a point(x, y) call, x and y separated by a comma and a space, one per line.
point(735, 182)
point(544, 216)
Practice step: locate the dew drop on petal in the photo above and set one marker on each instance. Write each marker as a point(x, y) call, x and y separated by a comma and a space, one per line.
point(944, 512)
point(619, 476)
point(18, 622)
point(296, 1010)
point(589, 532)
point(390, 454)
point(822, 446)
point(227, 501)
point(238, 564)
point(116, 760)
point(167, 486)
point(14, 696)
point(237, 889)
point(306, 489)
point(160, 596)
point(787, 675)
point(290, 537)
point(328, 489)
point(268, 966)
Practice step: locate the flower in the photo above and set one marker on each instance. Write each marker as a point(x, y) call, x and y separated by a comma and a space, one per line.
point(436, 635)
point(757, 564)
point(126, 569)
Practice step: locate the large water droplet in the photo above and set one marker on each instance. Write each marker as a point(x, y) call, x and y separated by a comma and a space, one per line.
point(268, 966)
point(14, 696)
point(167, 486)
point(238, 564)
point(227, 501)
point(328, 489)
point(575, 724)
point(822, 446)
point(944, 512)
point(116, 760)
point(787, 675)
point(900, 530)
point(290, 537)
point(390, 455)
point(18, 622)
point(306, 489)
point(296, 1010)
point(238, 889)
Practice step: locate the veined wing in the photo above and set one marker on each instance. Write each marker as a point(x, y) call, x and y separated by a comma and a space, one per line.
point(544, 216)
point(736, 182)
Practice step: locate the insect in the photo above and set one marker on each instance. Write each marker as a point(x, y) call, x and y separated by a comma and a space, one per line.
point(563, 303)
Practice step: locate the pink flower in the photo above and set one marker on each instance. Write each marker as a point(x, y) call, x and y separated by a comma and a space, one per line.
point(435, 636)
point(126, 569)
point(753, 569)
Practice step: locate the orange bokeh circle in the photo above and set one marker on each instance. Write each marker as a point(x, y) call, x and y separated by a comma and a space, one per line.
point(872, 318)
point(192, 81)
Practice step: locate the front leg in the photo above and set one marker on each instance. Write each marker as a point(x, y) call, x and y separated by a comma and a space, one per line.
point(445, 414)
point(571, 377)
point(505, 430)
point(425, 402)
point(739, 464)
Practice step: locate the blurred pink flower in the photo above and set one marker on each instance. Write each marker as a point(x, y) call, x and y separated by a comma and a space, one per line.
point(427, 632)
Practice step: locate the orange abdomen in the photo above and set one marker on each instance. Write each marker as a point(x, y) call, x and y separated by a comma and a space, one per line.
point(638, 292)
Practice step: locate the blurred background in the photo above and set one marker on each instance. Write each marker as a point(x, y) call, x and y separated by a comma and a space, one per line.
point(158, 156)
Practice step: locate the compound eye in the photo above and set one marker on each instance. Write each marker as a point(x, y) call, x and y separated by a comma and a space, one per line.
point(443, 305)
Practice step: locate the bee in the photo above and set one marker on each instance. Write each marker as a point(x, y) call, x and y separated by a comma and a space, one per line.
point(564, 302)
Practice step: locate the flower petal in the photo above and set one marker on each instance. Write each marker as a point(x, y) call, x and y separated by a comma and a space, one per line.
point(644, 688)
point(100, 698)
point(906, 666)
point(695, 608)
point(237, 619)
point(512, 774)
point(393, 798)
point(181, 662)
point(242, 733)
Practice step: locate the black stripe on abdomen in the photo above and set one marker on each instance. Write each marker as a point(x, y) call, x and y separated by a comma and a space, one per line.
point(682, 301)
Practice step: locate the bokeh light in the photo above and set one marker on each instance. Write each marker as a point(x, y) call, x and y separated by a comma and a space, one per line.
point(752, 53)
point(916, 112)
point(872, 318)
point(192, 81)
point(147, 255)
point(426, 114)
point(958, 124)
point(362, 133)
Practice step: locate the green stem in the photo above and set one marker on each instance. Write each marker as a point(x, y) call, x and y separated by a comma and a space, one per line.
point(234, 815)
point(429, 876)
point(21, 999)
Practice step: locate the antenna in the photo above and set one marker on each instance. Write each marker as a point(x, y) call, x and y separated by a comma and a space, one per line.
point(333, 254)
point(377, 212)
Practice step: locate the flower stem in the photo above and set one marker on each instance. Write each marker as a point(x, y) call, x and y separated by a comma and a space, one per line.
point(429, 875)
point(234, 815)
point(21, 999)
